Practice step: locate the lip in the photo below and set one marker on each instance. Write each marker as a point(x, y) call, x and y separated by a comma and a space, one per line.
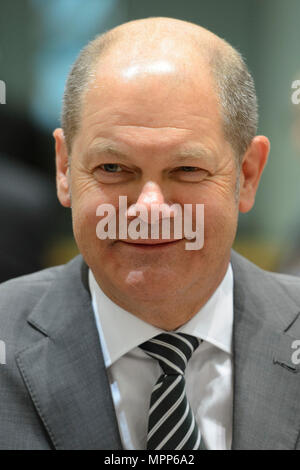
point(153, 245)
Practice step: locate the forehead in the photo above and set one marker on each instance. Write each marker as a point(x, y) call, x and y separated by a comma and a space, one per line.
point(156, 90)
point(151, 93)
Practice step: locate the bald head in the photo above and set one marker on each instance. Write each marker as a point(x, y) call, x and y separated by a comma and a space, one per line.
point(152, 37)
point(180, 49)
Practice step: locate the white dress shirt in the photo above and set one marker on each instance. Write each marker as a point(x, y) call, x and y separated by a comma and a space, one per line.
point(132, 373)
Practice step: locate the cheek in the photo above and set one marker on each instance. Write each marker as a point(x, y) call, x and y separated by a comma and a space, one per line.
point(85, 220)
point(87, 195)
point(220, 208)
point(220, 223)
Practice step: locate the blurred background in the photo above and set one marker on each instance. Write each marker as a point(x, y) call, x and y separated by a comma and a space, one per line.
point(39, 40)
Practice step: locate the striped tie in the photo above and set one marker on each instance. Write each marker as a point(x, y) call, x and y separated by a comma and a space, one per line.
point(171, 423)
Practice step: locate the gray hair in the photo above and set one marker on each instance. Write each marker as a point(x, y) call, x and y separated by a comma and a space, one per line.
point(236, 91)
point(80, 75)
point(233, 82)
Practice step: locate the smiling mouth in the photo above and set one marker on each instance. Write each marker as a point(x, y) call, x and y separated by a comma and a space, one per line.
point(154, 244)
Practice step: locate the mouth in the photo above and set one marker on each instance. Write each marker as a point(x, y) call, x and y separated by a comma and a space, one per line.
point(151, 244)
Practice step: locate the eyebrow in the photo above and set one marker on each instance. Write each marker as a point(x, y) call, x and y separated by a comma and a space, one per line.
point(198, 152)
point(106, 147)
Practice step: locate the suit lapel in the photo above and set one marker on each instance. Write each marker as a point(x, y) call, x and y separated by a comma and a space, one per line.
point(64, 371)
point(66, 378)
point(266, 382)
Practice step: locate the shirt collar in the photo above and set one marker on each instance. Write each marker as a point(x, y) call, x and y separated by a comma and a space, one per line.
point(120, 331)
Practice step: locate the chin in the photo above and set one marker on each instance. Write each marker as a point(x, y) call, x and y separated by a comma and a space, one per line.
point(150, 285)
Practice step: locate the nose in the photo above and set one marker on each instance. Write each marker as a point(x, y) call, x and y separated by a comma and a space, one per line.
point(151, 194)
point(149, 197)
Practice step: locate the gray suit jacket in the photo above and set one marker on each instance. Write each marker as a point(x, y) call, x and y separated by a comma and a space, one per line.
point(54, 390)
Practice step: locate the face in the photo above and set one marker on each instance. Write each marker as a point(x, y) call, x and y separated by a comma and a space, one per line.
point(154, 134)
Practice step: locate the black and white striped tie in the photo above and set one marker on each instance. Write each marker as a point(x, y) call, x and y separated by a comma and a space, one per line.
point(171, 423)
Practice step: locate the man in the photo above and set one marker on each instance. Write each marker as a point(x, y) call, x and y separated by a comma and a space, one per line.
point(163, 112)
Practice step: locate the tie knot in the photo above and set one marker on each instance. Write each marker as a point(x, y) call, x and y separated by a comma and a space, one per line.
point(172, 350)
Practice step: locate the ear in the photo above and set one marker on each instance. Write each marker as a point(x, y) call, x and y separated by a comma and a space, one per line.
point(62, 169)
point(252, 167)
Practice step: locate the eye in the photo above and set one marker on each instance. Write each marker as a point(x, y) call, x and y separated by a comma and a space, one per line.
point(111, 168)
point(191, 174)
point(110, 173)
point(188, 168)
